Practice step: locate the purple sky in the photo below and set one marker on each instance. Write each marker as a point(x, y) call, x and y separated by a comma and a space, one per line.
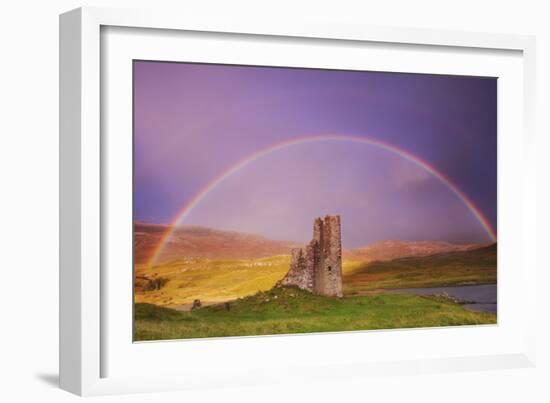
point(192, 122)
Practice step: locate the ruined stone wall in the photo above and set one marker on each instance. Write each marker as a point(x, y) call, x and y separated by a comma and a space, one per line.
point(318, 267)
point(301, 272)
point(329, 272)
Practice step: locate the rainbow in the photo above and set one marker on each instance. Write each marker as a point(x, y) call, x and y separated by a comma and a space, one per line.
point(188, 208)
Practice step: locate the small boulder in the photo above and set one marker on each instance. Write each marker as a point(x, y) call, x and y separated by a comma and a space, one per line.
point(196, 304)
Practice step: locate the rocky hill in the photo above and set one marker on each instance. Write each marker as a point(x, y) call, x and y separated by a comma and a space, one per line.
point(201, 242)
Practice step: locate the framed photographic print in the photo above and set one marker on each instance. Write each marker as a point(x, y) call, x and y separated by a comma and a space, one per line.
point(227, 188)
point(240, 193)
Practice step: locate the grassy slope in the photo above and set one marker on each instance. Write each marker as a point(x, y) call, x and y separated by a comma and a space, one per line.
point(212, 280)
point(222, 280)
point(290, 310)
point(453, 268)
point(215, 280)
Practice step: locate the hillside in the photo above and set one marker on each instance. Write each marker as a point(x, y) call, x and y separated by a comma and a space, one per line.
point(392, 249)
point(477, 266)
point(209, 280)
point(290, 310)
point(190, 242)
point(181, 281)
point(200, 242)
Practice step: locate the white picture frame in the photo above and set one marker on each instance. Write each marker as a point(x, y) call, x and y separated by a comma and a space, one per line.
point(86, 346)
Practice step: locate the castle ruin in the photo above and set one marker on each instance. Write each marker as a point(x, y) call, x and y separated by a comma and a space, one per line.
point(317, 268)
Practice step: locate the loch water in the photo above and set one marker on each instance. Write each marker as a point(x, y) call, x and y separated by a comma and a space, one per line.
point(483, 297)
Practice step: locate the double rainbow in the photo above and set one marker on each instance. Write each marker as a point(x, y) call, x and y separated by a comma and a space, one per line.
point(188, 208)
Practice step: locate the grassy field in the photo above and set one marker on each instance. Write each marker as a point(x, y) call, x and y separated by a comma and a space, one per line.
point(290, 310)
point(214, 281)
point(211, 280)
point(477, 266)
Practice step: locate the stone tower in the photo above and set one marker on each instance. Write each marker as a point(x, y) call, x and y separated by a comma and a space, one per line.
point(318, 267)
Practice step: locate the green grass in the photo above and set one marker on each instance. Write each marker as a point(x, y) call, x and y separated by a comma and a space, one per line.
point(257, 309)
point(477, 266)
point(290, 310)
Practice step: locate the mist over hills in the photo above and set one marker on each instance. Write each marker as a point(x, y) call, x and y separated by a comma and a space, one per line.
point(202, 242)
